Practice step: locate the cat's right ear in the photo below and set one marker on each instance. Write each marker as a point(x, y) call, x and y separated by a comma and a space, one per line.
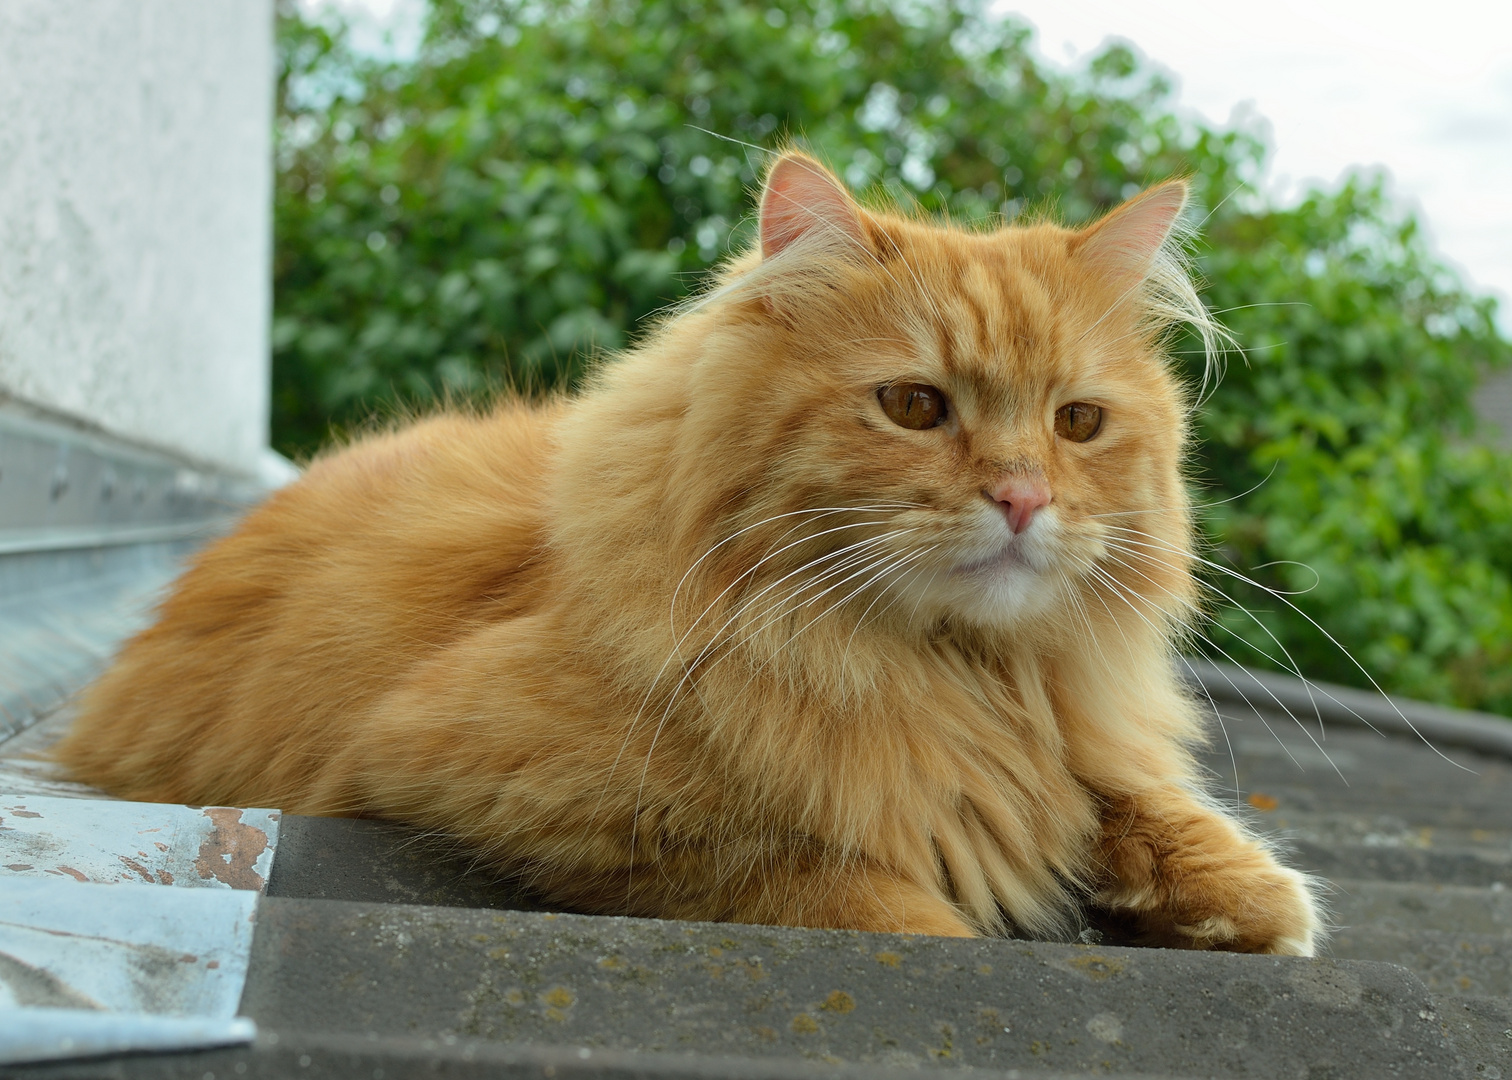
point(804, 200)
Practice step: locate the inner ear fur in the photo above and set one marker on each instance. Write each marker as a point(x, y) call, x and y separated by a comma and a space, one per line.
point(804, 201)
point(1122, 248)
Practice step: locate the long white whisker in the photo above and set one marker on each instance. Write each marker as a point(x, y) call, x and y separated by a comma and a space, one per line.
point(1194, 506)
point(1092, 637)
point(690, 669)
point(858, 552)
point(781, 614)
point(860, 622)
point(771, 554)
point(676, 650)
point(1214, 644)
point(716, 638)
point(1118, 590)
point(656, 736)
point(1331, 639)
point(1236, 189)
point(1290, 663)
point(877, 575)
point(1218, 716)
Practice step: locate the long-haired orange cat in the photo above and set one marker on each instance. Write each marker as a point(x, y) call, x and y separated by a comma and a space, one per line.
point(848, 599)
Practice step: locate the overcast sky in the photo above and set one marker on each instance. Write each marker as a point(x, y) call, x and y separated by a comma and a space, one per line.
point(1423, 90)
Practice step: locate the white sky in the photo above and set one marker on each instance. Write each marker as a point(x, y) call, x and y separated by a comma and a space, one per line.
point(1421, 89)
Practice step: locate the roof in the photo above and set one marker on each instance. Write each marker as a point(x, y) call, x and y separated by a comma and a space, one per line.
point(377, 949)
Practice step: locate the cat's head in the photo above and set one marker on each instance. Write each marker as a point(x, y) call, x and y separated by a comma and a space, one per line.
point(939, 424)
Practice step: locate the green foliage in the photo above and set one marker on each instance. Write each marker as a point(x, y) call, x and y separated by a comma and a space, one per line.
point(1347, 431)
point(543, 177)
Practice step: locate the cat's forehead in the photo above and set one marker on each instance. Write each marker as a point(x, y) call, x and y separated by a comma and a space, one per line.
point(1003, 312)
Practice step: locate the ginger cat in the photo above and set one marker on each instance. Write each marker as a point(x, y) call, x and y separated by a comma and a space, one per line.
point(848, 599)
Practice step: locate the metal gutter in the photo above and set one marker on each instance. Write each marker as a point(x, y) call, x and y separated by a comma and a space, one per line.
point(17, 541)
point(63, 613)
point(92, 530)
point(60, 486)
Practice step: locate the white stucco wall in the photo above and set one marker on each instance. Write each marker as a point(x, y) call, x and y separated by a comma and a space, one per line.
point(135, 218)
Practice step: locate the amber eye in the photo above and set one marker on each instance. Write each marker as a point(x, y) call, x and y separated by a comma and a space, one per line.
point(913, 405)
point(1078, 421)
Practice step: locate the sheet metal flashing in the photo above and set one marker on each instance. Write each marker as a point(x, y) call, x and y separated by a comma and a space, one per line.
point(61, 488)
point(62, 614)
point(91, 528)
point(105, 841)
point(88, 968)
point(28, 1035)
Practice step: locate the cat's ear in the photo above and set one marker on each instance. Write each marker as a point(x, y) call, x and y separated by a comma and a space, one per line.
point(1121, 248)
point(804, 199)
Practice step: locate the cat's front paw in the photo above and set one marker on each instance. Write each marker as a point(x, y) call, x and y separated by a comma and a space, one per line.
point(1267, 908)
point(1294, 924)
point(1183, 875)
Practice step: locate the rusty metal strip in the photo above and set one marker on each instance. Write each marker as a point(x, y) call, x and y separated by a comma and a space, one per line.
point(103, 841)
point(86, 966)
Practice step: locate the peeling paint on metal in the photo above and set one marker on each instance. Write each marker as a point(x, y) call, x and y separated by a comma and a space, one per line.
point(230, 852)
point(105, 841)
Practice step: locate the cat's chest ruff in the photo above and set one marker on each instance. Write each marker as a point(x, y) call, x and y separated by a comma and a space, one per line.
point(911, 732)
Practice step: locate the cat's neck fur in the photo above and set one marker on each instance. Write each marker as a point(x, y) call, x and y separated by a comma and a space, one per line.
point(938, 744)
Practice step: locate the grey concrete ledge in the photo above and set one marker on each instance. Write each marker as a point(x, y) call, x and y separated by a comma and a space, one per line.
point(316, 1057)
point(1229, 685)
point(382, 862)
point(785, 997)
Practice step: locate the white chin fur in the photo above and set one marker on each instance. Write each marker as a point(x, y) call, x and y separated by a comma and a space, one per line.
point(1006, 578)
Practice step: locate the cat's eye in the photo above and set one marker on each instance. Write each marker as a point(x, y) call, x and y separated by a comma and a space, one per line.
point(1078, 421)
point(913, 405)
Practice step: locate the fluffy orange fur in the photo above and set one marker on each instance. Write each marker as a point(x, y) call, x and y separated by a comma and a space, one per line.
point(719, 639)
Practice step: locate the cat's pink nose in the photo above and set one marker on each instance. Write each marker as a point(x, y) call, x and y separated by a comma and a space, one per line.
point(1019, 497)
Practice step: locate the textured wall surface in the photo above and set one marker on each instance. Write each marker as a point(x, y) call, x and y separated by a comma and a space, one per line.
point(135, 218)
point(1494, 402)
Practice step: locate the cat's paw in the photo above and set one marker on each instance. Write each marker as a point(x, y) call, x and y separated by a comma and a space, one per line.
point(1185, 875)
point(1288, 918)
point(1265, 909)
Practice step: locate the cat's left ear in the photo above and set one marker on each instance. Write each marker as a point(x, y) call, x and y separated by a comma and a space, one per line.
point(1121, 248)
point(804, 200)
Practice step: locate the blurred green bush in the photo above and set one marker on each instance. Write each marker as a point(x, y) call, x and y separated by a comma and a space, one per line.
point(542, 177)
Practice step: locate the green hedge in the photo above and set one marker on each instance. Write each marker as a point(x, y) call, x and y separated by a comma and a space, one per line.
point(545, 176)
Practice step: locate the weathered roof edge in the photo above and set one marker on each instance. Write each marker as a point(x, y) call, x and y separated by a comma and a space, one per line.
point(1441, 726)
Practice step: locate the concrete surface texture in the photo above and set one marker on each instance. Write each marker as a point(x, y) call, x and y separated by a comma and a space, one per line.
point(765, 992)
point(135, 218)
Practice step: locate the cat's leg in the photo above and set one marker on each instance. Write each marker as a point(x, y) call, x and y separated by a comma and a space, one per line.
point(848, 896)
point(1181, 874)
